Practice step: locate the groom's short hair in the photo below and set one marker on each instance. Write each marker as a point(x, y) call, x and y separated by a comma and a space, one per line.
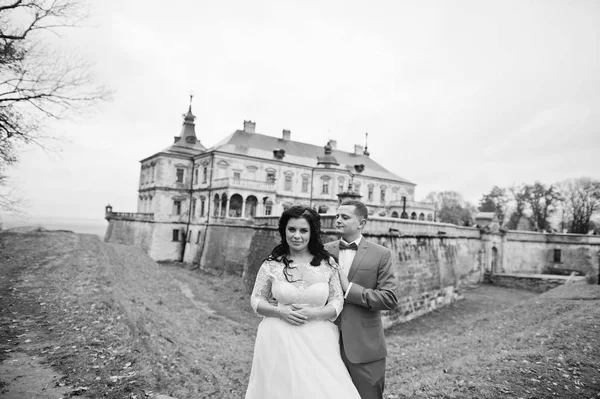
point(359, 208)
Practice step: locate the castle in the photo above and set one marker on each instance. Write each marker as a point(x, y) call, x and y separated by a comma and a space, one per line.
point(219, 208)
point(186, 186)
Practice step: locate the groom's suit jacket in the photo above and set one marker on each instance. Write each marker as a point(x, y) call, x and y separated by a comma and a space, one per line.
point(373, 289)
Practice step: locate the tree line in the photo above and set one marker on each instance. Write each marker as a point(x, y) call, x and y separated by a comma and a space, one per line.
point(568, 206)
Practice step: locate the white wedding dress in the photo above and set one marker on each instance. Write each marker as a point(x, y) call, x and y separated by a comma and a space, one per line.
point(298, 362)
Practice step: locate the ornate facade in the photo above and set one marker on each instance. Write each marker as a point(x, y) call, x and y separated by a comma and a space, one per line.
point(249, 174)
point(187, 187)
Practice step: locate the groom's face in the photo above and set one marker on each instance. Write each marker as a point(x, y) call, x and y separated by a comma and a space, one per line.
point(347, 222)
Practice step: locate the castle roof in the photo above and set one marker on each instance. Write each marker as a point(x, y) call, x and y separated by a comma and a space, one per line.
point(261, 146)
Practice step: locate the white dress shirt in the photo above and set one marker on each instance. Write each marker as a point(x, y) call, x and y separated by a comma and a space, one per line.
point(346, 259)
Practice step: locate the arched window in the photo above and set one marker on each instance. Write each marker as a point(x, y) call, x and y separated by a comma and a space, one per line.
point(421, 216)
point(430, 217)
point(404, 215)
point(251, 203)
point(235, 206)
point(223, 205)
point(216, 203)
point(413, 216)
point(394, 214)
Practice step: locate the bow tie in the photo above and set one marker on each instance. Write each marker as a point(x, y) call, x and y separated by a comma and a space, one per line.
point(351, 246)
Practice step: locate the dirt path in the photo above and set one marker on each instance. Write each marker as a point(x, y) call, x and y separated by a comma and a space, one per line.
point(89, 319)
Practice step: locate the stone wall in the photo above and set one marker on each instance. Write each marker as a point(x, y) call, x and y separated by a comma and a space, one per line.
point(130, 232)
point(432, 261)
point(530, 252)
point(532, 282)
point(226, 247)
point(429, 268)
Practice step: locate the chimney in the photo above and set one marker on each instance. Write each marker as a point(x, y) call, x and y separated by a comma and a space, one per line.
point(249, 127)
point(358, 149)
point(286, 134)
point(333, 144)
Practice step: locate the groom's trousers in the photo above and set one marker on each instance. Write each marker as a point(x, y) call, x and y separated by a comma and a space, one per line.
point(368, 378)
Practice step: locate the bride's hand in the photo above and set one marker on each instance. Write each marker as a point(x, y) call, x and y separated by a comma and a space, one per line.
point(309, 312)
point(292, 315)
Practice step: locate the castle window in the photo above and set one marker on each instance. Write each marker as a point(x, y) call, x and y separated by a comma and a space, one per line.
point(202, 205)
point(194, 206)
point(179, 175)
point(237, 175)
point(268, 207)
point(175, 234)
point(177, 207)
point(270, 176)
point(325, 189)
point(288, 183)
point(198, 238)
point(370, 193)
point(204, 173)
point(382, 196)
point(304, 184)
point(357, 187)
point(152, 176)
point(340, 184)
point(557, 256)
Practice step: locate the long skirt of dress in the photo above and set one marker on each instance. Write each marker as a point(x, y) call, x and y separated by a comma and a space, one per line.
point(298, 362)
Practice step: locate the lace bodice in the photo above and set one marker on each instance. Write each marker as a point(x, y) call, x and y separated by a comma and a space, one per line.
point(312, 285)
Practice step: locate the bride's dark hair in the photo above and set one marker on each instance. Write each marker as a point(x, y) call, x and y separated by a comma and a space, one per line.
point(315, 245)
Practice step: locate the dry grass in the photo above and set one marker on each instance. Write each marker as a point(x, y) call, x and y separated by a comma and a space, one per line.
point(117, 325)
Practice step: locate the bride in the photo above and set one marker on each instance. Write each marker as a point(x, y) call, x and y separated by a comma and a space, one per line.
point(297, 352)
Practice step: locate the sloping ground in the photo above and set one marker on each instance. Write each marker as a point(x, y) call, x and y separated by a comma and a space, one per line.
point(544, 346)
point(92, 320)
point(116, 324)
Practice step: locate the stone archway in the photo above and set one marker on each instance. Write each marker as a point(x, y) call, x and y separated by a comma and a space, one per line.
point(216, 203)
point(251, 205)
point(235, 206)
point(494, 260)
point(223, 205)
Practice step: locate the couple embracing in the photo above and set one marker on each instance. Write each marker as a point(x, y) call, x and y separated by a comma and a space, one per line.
point(322, 335)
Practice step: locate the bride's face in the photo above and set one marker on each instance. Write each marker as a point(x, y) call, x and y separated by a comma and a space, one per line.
point(297, 234)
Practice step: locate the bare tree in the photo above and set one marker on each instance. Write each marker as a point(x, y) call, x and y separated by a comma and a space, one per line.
point(452, 208)
point(581, 200)
point(543, 201)
point(519, 198)
point(38, 84)
point(495, 201)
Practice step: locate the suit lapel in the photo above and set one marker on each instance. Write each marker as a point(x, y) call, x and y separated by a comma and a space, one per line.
point(360, 254)
point(335, 250)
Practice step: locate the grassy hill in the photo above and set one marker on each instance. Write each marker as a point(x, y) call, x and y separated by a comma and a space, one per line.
point(110, 322)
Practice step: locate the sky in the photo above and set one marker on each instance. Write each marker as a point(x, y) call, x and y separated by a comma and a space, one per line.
point(455, 95)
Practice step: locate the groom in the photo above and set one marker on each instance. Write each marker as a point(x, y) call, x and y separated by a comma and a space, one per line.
point(369, 286)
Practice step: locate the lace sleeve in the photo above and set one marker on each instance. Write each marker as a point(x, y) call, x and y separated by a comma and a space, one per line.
point(262, 286)
point(336, 295)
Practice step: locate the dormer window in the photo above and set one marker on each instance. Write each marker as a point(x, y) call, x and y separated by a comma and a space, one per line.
point(278, 153)
point(191, 140)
